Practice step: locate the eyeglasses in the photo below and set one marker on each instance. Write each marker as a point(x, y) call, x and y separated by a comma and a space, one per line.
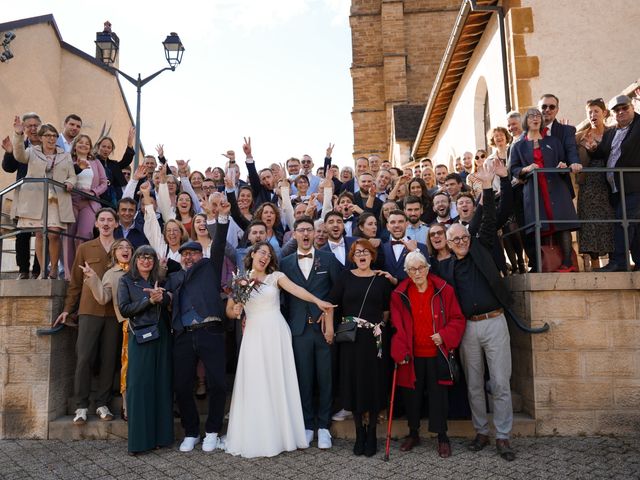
point(123, 248)
point(534, 115)
point(459, 240)
point(306, 161)
point(361, 253)
point(304, 230)
point(49, 135)
point(263, 253)
point(414, 270)
point(31, 127)
point(437, 233)
point(482, 155)
point(551, 107)
point(190, 253)
point(145, 257)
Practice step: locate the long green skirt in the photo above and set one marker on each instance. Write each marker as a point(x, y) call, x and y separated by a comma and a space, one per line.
point(150, 392)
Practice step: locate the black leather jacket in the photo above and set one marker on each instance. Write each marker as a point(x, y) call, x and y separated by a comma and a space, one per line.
point(135, 305)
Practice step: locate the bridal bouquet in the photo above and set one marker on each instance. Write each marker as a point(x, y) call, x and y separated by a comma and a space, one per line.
point(242, 285)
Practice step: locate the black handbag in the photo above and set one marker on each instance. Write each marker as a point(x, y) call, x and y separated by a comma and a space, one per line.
point(346, 330)
point(146, 334)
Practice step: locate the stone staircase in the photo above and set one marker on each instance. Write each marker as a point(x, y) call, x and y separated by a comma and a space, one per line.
point(63, 429)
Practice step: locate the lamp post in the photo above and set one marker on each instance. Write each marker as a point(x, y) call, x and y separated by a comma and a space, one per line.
point(107, 45)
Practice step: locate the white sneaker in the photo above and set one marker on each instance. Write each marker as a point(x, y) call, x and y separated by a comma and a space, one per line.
point(324, 438)
point(309, 435)
point(342, 415)
point(210, 442)
point(188, 443)
point(81, 416)
point(104, 413)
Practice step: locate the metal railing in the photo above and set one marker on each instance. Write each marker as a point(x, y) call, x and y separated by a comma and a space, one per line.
point(48, 183)
point(538, 224)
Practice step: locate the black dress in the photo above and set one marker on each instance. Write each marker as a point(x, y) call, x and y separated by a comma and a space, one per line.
point(363, 384)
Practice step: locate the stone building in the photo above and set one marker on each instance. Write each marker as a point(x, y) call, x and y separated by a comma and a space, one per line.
point(54, 79)
point(397, 48)
point(506, 56)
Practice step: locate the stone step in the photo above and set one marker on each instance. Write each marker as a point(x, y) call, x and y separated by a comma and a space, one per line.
point(95, 429)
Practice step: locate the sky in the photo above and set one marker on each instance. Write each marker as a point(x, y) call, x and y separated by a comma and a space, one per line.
point(277, 71)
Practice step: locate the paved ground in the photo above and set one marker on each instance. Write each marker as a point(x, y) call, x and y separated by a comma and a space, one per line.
point(558, 458)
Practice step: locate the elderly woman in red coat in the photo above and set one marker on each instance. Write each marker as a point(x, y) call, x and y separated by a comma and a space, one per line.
point(428, 323)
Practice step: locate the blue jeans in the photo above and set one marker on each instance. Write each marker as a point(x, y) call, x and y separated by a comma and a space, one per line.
point(633, 212)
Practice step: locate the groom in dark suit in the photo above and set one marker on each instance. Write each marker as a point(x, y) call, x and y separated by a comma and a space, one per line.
point(316, 271)
point(399, 245)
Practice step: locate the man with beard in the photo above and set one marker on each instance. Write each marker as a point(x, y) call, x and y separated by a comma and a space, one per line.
point(441, 174)
point(416, 229)
point(337, 243)
point(399, 245)
point(441, 207)
point(383, 181)
point(352, 186)
point(316, 271)
point(366, 198)
point(198, 330)
point(70, 130)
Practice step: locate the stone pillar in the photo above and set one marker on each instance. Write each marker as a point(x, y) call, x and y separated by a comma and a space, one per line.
point(36, 372)
point(583, 376)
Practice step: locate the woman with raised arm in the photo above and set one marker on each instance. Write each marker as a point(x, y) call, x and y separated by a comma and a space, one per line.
point(266, 413)
point(103, 149)
point(92, 179)
point(44, 161)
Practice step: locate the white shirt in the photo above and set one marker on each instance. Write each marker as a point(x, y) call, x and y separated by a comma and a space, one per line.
point(305, 264)
point(338, 250)
point(399, 247)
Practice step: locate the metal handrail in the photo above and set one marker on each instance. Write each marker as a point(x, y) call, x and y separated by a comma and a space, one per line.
point(538, 223)
point(48, 182)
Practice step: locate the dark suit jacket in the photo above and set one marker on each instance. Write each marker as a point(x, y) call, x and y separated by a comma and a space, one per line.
point(203, 281)
point(136, 234)
point(396, 267)
point(260, 193)
point(629, 154)
point(10, 164)
point(480, 251)
point(324, 273)
point(348, 186)
point(348, 241)
point(567, 136)
point(377, 204)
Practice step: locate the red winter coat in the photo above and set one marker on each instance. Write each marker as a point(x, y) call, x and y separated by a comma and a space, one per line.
point(447, 318)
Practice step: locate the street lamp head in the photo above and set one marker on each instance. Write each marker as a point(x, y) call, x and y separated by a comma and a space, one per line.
point(173, 49)
point(107, 45)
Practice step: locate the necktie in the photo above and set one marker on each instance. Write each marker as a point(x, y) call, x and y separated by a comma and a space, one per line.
point(301, 256)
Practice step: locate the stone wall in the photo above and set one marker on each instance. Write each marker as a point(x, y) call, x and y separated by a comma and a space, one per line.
point(583, 376)
point(36, 372)
point(397, 47)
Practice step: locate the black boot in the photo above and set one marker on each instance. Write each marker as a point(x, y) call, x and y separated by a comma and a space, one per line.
point(361, 435)
point(371, 446)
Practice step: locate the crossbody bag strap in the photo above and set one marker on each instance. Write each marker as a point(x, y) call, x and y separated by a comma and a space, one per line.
point(365, 296)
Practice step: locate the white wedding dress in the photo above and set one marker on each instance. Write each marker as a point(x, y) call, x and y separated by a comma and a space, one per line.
point(266, 412)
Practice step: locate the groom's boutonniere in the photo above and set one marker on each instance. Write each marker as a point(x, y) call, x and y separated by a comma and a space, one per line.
point(316, 264)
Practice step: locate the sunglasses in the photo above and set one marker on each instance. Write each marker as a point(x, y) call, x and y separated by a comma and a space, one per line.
point(548, 107)
point(621, 108)
point(482, 155)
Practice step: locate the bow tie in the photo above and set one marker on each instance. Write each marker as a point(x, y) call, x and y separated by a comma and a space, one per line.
point(336, 245)
point(397, 242)
point(301, 256)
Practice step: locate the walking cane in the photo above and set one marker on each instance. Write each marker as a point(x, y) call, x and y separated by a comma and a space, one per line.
point(393, 395)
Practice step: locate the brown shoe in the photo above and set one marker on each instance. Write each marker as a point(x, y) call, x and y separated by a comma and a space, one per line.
point(478, 443)
point(504, 450)
point(444, 449)
point(409, 442)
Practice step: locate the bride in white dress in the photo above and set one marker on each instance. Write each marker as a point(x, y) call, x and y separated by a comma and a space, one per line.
point(266, 412)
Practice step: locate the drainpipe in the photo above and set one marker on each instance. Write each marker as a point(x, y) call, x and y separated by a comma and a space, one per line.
point(503, 44)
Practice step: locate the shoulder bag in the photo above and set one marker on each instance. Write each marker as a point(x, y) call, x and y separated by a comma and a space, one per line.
point(346, 330)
